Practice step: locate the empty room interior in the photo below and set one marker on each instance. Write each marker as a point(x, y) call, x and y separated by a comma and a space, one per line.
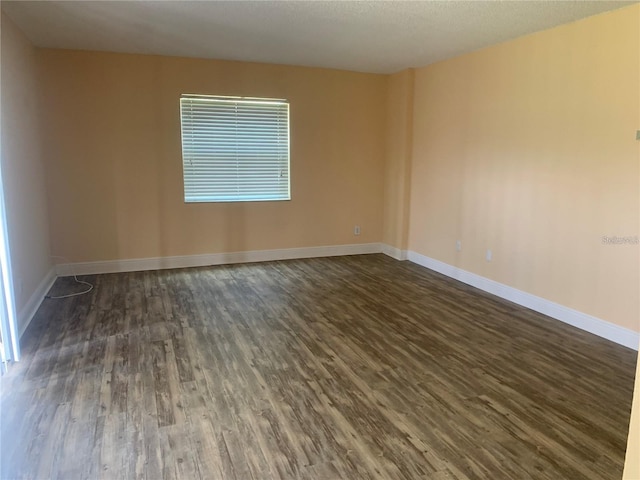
point(320, 240)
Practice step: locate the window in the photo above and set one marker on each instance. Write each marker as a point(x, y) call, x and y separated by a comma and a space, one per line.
point(234, 149)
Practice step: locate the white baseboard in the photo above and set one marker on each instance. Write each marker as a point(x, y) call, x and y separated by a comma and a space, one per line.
point(26, 313)
point(597, 326)
point(394, 252)
point(159, 263)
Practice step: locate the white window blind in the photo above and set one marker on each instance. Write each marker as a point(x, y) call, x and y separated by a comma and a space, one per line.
point(234, 149)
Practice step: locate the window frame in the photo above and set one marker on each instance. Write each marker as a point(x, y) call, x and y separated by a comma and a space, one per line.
point(252, 170)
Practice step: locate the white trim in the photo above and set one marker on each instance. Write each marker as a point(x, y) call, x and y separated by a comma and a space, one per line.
point(394, 252)
point(597, 326)
point(28, 311)
point(8, 317)
point(158, 263)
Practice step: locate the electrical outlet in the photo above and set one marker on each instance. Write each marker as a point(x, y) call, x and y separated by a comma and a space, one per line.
point(458, 245)
point(356, 230)
point(489, 255)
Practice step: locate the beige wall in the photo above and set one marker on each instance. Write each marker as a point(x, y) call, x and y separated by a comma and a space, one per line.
point(114, 171)
point(528, 149)
point(22, 168)
point(632, 459)
point(397, 172)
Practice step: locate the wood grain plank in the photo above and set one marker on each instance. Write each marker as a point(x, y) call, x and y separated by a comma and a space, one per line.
point(347, 367)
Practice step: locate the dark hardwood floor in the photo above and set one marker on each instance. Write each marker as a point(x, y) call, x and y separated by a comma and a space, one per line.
point(333, 368)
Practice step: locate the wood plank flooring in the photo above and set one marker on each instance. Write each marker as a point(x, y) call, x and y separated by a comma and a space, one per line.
point(336, 368)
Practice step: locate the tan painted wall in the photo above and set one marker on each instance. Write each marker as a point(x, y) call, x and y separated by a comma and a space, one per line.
point(525, 148)
point(22, 168)
point(397, 173)
point(114, 165)
point(528, 149)
point(632, 459)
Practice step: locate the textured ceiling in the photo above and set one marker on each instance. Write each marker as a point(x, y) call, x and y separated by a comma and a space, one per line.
point(366, 36)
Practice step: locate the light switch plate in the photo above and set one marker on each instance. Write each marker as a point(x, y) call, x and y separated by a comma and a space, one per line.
point(637, 134)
